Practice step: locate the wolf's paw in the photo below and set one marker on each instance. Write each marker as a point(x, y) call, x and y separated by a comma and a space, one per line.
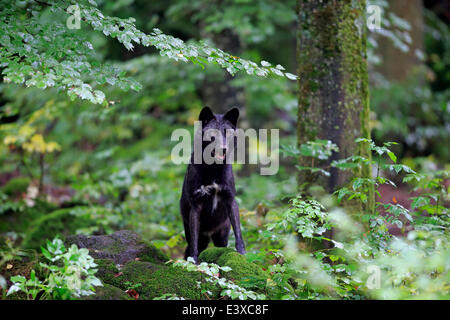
point(201, 191)
point(204, 190)
point(240, 249)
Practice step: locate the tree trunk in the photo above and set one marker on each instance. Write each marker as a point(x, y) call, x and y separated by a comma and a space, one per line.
point(333, 97)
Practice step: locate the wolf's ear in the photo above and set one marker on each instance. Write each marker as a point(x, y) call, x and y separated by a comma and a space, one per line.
point(206, 115)
point(232, 116)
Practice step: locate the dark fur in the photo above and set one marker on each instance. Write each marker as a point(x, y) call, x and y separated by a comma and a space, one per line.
point(201, 223)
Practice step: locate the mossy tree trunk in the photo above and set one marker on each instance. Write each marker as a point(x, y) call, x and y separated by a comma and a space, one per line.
point(333, 97)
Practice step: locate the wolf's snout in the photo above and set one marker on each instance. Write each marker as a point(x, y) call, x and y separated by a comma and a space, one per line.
point(220, 152)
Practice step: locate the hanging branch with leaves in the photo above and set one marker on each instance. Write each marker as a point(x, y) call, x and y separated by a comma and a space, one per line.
point(37, 48)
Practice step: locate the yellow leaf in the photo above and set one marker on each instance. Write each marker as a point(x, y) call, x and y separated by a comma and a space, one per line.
point(36, 144)
point(270, 283)
point(9, 140)
point(53, 146)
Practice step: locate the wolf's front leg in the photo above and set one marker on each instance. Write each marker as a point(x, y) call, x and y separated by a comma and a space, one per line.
point(236, 224)
point(194, 228)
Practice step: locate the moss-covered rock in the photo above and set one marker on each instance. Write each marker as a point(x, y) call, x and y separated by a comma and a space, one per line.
point(109, 292)
point(126, 262)
point(241, 268)
point(120, 247)
point(106, 270)
point(155, 280)
point(243, 272)
point(213, 254)
point(151, 254)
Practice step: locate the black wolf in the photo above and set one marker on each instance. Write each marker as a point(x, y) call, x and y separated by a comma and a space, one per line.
point(207, 201)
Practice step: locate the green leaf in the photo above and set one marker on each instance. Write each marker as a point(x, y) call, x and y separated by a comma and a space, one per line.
point(46, 253)
point(392, 156)
point(32, 275)
point(290, 76)
point(14, 288)
point(20, 279)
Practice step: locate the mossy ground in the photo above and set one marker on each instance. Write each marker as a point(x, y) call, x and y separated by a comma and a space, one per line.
point(59, 222)
point(21, 219)
point(149, 273)
point(42, 222)
point(16, 186)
